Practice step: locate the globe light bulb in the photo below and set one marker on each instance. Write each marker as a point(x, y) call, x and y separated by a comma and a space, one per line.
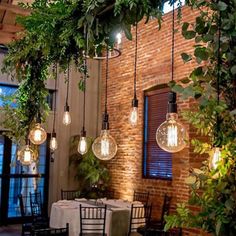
point(38, 135)
point(171, 134)
point(133, 117)
point(66, 118)
point(53, 142)
point(26, 155)
point(104, 147)
point(82, 146)
point(215, 158)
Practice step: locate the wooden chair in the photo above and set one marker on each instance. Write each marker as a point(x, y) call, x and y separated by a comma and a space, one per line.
point(141, 197)
point(92, 220)
point(48, 231)
point(139, 216)
point(40, 218)
point(68, 194)
point(26, 226)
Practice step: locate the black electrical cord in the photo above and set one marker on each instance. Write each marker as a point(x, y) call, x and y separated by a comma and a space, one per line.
point(173, 42)
point(55, 96)
point(135, 58)
point(107, 67)
point(68, 83)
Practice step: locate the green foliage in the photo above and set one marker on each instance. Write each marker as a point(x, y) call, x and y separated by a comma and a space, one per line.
point(92, 175)
point(212, 190)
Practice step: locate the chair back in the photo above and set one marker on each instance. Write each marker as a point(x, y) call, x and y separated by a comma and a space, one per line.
point(68, 194)
point(165, 208)
point(48, 231)
point(139, 216)
point(93, 220)
point(36, 204)
point(141, 197)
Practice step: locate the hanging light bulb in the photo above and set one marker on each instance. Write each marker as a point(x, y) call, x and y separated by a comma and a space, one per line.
point(104, 147)
point(171, 134)
point(53, 142)
point(38, 135)
point(66, 116)
point(215, 158)
point(82, 146)
point(133, 116)
point(26, 155)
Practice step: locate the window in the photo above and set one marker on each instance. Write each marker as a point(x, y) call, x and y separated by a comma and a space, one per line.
point(157, 163)
point(8, 90)
point(167, 6)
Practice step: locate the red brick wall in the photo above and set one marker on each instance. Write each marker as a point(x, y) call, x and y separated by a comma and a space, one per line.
point(154, 67)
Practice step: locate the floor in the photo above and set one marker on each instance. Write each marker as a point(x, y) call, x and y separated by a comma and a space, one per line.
point(10, 230)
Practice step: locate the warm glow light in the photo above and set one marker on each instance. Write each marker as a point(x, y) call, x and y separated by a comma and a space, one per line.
point(37, 135)
point(82, 146)
point(66, 118)
point(215, 158)
point(104, 147)
point(53, 143)
point(119, 38)
point(26, 155)
point(133, 117)
point(171, 134)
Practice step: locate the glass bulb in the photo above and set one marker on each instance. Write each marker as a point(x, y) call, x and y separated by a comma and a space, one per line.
point(104, 147)
point(66, 118)
point(53, 143)
point(215, 158)
point(26, 155)
point(171, 134)
point(119, 38)
point(82, 146)
point(133, 117)
point(38, 135)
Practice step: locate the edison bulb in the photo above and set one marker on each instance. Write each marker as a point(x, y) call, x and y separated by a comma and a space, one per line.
point(104, 147)
point(53, 143)
point(133, 117)
point(215, 158)
point(26, 155)
point(66, 118)
point(171, 134)
point(38, 135)
point(82, 146)
point(119, 38)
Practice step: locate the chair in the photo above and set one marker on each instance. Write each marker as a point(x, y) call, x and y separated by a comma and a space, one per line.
point(26, 226)
point(139, 216)
point(68, 194)
point(92, 220)
point(40, 218)
point(48, 231)
point(141, 197)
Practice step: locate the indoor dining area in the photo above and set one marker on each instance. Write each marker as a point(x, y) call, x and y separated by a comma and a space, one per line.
point(117, 118)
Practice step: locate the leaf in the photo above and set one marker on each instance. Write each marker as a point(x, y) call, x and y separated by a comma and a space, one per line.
point(201, 52)
point(186, 57)
point(218, 227)
point(222, 6)
point(233, 70)
point(190, 180)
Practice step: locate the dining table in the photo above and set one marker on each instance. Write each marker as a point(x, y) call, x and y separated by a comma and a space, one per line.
point(117, 216)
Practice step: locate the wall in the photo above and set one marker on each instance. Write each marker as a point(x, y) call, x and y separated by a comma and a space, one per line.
point(154, 68)
point(61, 176)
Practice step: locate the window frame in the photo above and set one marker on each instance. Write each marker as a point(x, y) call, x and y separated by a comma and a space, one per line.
point(153, 90)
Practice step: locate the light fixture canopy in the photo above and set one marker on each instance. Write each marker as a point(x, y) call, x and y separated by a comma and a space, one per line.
point(38, 135)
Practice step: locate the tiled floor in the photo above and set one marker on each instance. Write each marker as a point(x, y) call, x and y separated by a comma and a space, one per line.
point(10, 230)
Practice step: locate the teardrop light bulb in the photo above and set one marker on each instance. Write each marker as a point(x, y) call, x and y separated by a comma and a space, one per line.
point(215, 158)
point(53, 142)
point(82, 146)
point(133, 117)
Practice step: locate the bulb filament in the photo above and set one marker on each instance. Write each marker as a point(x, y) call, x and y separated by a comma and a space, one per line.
point(133, 116)
point(172, 136)
point(104, 147)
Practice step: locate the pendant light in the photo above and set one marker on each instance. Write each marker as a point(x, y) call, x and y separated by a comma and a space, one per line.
point(104, 147)
point(66, 116)
point(53, 140)
point(215, 156)
point(171, 134)
point(83, 145)
point(38, 135)
point(26, 155)
point(133, 117)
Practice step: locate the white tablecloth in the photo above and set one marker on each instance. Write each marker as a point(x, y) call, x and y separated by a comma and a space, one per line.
point(64, 211)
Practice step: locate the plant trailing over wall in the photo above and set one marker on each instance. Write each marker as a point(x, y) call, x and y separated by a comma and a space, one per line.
point(212, 190)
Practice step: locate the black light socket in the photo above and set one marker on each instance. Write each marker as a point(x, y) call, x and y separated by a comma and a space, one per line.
point(66, 108)
point(105, 122)
point(83, 132)
point(38, 119)
point(172, 105)
point(54, 135)
point(134, 102)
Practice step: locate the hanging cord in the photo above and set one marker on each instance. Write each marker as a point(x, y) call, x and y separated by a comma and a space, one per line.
point(55, 98)
point(107, 58)
point(68, 83)
point(173, 43)
point(135, 57)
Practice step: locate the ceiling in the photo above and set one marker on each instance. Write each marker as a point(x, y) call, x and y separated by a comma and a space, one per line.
point(8, 13)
